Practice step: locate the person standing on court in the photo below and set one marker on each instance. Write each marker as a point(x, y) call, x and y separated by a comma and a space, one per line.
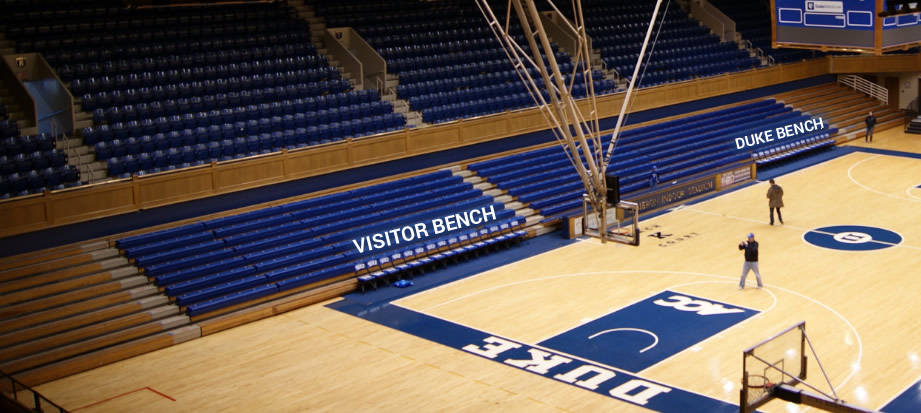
point(775, 195)
point(751, 260)
point(871, 122)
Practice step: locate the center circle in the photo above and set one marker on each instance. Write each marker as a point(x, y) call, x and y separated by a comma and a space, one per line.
point(852, 238)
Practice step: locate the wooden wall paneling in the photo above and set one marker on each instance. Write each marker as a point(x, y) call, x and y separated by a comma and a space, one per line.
point(93, 202)
point(170, 188)
point(434, 138)
point(368, 151)
point(315, 161)
point(22, 215)
point(250, 173)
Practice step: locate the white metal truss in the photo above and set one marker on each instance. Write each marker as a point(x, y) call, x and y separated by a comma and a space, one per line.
point(575, 127)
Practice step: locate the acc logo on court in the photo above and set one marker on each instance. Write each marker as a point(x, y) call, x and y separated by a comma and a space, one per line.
point(852, 238)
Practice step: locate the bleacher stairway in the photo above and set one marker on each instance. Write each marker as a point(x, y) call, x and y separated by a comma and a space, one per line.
point(844, 108)
point(72, 309)
point(318, 38)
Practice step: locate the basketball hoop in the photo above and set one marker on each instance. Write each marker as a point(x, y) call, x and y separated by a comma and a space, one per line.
point(757, 381)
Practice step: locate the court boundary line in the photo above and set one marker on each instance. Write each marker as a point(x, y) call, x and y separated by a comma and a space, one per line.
point(908, 191)
point(123, 395)
point(854, 181)
point(899, 393)
point(803, 296)
point(551, 350)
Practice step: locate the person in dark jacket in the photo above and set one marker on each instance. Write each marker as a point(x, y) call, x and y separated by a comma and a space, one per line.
point(775, 195)
point(871, 122)
point(751, 260)
point(653, 177)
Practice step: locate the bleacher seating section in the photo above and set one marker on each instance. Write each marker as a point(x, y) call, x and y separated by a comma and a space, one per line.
point(449, 63)
point(547, 182)
point(684, 49)
point(30, 164)
point(181, 86)
point(210, 265)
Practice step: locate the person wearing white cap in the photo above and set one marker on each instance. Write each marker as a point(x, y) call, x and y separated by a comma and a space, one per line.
point(751, 260)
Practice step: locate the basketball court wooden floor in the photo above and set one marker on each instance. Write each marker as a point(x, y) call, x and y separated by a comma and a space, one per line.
point(466, 346)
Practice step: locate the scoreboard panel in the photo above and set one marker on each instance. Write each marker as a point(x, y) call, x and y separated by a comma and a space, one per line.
point(851, 25)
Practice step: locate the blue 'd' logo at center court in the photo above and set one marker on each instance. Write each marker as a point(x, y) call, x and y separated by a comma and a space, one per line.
point(852, 238)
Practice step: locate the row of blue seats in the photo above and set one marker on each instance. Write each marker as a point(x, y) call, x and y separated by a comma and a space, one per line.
point(619, 17)
point(452, 21)
point(669, 157)
point(199, 65)
point(123, 75)
point(469, 69)
point(631, 163)
point(479, 107)
point(781, 151)
point(688, 63)
point(121, 158)
point(8, 129)
point(574, 204)
point(199, 226)
point(286, 249)
point(276, 239)
point(184, 98)
point(674, 154)
point(137, 21)
point(197, 99)
point(431, 100)
point(19, 184)
point(170, 27)
point(411, 90)
point(143, 138)
point(162, 42)
point(430, 49)
point(431, 18)
point(17, 144)
point(192, 285)
point(484, 106)
point(294, 247)
point(700, 70)
point(281, 225)
point(728, 61)
point(670, 172)
point(608, 36)
point(36, 160)
point(242, 121)
point(676, 18)
point(387, 268)
point(416, 63)
point(700, 49)
point(339, 205)
point(206, 127)
point(63, 11)
point(143, 44)
point(412, 258)
point(388, 40)
point(186, 113)
point(514, 161)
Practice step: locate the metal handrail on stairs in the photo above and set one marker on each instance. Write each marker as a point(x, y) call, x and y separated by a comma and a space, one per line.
point(865, 86)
